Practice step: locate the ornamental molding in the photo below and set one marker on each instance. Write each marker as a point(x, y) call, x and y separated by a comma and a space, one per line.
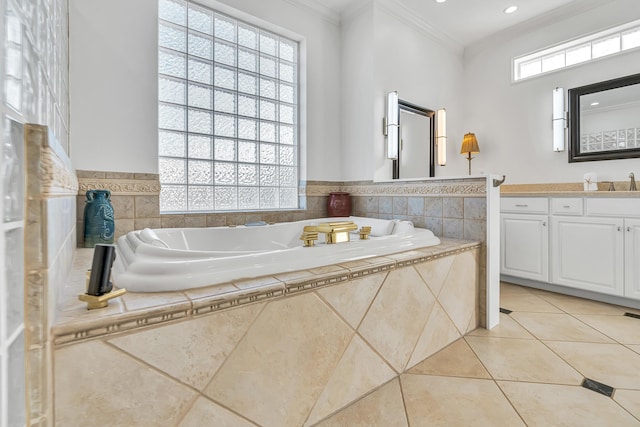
point(120, 187)
point(57, 178)
point(464, 188)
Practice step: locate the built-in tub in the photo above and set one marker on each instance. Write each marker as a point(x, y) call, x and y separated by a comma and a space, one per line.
point(177, 259)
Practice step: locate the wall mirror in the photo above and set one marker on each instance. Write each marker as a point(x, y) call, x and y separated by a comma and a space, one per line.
point(416, 157)
point(604, 120)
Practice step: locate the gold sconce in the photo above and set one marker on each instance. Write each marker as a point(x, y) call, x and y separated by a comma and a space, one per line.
point(469, 147)
point(441, 136)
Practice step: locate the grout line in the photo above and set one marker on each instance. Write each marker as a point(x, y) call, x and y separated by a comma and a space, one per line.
point(404, 403)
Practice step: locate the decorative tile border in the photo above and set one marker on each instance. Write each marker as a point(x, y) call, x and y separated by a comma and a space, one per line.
point(287, 284)
point(55, 172)
point(121, 187)
point(463, 187)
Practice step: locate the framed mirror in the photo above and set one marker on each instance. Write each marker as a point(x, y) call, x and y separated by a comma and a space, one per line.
point(604, 120)
point(416, 156)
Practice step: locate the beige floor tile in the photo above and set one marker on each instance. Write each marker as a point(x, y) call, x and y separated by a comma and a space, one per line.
point(623, 329)
point(629, 400)
point(522, 360)
point(206, 413)
point(382, 408)
point(352, 299)
point(561, 405)
point(437, 333)
point(611, 364)
point(397, 316)
point(283, 363)
point(99, 385)
point(449, 401)
point(575, 305)
point(456, 360)
point(360, 370)
point(525, 301)
point(191, 351)
point(558, 327)
point(507, 328)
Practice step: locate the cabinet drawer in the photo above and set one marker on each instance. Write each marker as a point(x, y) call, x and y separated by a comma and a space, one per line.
point(605, 206)
point(566, 206)
point(538, 205)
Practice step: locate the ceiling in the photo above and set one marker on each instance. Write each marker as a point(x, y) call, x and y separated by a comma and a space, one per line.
point(468, 21)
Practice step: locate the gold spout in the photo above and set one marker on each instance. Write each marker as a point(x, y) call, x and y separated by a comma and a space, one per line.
point(335, 232)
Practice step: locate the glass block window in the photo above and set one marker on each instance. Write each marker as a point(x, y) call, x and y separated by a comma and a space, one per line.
point(227, 113)
point(604, 43)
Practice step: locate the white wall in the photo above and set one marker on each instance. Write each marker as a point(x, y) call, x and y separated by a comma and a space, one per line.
point(113, 68)
point(113, 85)
point(384, 52)
point(357, 70)
point(513, 120)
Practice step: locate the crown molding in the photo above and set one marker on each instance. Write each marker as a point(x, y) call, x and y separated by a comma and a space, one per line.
point(407, 15)
point(318, 8)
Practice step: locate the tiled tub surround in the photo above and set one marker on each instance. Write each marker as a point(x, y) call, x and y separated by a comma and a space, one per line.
point(286, 350)
point(452, 208)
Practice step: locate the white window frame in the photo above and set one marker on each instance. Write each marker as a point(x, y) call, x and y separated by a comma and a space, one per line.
point(291, 189)
point(562, 48)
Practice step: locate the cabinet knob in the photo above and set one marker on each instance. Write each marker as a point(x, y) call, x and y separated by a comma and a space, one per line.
point(522, 206)
point(619, 228)
point(629, 229)
point(544, 223)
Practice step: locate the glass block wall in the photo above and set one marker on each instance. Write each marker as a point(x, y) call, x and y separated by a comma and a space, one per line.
point(228, 113)
point(34, 76)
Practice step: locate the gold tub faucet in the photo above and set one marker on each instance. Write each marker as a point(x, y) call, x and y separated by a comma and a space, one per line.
point(335, 232)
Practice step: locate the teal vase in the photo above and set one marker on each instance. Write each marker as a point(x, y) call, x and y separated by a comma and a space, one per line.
point(99, 223)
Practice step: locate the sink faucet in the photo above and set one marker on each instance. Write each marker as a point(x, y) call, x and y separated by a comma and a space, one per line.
point(632, 184)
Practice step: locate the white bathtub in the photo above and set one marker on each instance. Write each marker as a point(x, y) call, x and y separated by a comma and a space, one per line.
point(175, 259)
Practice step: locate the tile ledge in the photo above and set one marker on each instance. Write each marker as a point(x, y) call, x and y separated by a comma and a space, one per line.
point(95, 323)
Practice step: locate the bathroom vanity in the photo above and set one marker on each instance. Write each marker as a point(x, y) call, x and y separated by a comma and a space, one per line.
point(580, 243)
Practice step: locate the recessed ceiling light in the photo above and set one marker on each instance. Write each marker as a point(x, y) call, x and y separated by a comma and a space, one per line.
point(593, 104)
point(440, 1)
point(510, 9)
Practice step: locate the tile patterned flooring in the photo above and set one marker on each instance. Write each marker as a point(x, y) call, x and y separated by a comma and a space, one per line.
point(526, 371)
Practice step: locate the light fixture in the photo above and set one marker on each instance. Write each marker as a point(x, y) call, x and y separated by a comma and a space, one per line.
point(469, 147)
point(391, 125)
point(594, 104)
point(440, 1)
point(510, 9)
point(559, 119)
point(441, 136)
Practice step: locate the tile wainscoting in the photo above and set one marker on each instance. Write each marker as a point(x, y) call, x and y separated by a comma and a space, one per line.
point(454, 209)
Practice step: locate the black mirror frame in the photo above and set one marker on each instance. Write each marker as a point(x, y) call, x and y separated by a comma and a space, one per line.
point(574, 121)
point(430, 114)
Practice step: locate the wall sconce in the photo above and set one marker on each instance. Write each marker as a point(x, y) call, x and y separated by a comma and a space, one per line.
point(469, 147)
point(441, 136)
point(392, 125)
point(559, 119)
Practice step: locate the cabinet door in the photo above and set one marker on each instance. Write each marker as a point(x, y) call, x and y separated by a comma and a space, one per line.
point(632, 258)
point(587, 253)
point(524, 246)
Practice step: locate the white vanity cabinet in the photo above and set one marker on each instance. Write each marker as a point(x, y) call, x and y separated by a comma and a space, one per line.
point(525, 238)
point(588, 253)
point(632, 258)
point(586, 243)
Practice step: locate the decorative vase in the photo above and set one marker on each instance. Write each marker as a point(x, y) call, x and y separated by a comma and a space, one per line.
point(99, 223)
point(339, 204)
